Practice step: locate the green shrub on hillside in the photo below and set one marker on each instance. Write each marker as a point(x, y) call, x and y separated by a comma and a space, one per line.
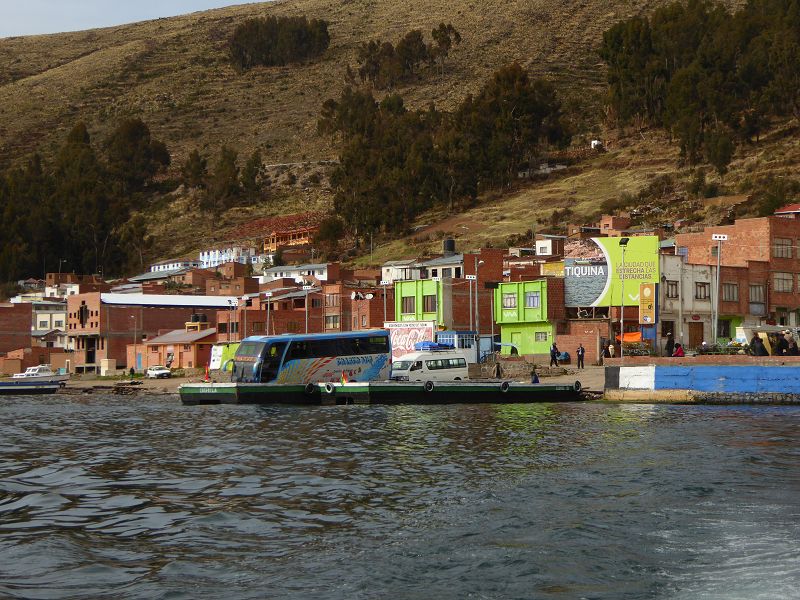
point(275, 41)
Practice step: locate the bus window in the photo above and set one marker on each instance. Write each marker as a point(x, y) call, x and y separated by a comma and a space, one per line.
point(272, 362)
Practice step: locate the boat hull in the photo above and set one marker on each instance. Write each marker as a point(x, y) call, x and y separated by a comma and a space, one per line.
point(377, 392)
point(16, 388)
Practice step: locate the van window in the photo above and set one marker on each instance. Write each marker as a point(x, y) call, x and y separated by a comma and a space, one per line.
point(401, 365)
point(416, 366)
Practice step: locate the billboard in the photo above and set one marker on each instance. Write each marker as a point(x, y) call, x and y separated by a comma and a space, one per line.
point(594, 272)
point(647, 303)
point(404, 334)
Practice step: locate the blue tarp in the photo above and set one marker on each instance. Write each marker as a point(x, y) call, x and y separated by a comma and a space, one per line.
point(426, 346)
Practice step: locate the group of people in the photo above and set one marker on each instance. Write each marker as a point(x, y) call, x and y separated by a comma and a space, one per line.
point(673, 349)
point(580, 353)
point(785, 345)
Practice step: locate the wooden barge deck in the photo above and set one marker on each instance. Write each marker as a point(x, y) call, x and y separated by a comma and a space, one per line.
point(378, 392)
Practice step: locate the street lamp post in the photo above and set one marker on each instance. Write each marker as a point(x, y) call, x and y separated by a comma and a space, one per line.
point(719, 238)
point(478, 263)
point(268, 296)
point(623, 243)
point(244, 334)
point(307, 289)
point(384, 283)
point(134, 343)
point(230, 321)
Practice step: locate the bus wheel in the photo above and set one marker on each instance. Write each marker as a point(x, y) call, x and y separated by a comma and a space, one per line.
point(428, 386)
point(578, 386)
point(310, 389)
point(504, 387)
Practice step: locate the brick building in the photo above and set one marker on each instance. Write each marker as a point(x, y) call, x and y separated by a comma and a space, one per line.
point(187, 348)
point(101, 325)
point(15, 326)
point(767, 249)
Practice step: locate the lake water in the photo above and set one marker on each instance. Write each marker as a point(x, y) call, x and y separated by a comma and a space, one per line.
point(145, 498)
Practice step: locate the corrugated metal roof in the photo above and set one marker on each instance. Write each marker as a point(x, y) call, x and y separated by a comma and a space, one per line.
point(789, 208)
point(442, 260)
point(309, 267)
point(169, 300)
point(181, 336)
point(150, 275)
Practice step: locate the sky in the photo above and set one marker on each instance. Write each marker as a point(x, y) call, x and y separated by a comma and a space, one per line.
point(29, 17)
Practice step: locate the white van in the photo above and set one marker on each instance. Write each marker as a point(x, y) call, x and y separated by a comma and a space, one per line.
point(434, 365)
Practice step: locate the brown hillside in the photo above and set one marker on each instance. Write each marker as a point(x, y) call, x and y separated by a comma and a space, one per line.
point(174, 74)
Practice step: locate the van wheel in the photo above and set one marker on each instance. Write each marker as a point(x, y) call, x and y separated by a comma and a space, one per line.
point(504, 387)
point(458, 379)
point(428, 386)
point(330, 389)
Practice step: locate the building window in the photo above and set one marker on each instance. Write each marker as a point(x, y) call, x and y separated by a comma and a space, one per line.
point(702, 290)
point(757, 293)
point(58, 324)
point(222, 327)
point(724, 328)
point(672, 289)
point(782, 282)
point(782, 248)
point(258, 327)
point(187, 347)
point(730, 293)
point(331, 299)
point(332, 322)
point(532, 299)
point(407, 305)
point(363, 320)
point(316, 303)
point(447, 272)
point(42, 324)
point(540, 336)
point(434, 272)
point(429, 303)
point(510, 300)
point(458, 273)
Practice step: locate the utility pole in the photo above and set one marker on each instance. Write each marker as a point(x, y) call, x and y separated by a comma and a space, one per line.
point(623, 243)
point(307, 289)
point(384, 283)
point(719, 238)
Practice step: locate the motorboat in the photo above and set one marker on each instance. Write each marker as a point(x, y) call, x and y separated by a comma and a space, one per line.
point(39, 374)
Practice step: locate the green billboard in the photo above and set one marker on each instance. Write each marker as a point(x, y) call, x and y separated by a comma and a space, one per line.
point(594, 270)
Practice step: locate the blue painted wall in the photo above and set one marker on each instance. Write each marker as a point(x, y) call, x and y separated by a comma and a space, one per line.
point(744, 379)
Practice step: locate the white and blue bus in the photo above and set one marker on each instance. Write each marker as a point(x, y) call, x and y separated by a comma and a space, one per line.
point(313, 358)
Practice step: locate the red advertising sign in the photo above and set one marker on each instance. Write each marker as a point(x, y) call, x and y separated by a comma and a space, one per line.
point(403, 335)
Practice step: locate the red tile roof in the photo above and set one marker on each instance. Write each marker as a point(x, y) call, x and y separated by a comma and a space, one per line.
point(789, 208)
point(281, 224)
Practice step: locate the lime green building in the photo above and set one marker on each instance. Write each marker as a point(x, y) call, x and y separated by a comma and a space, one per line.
point(520, 309)
point(423, 300)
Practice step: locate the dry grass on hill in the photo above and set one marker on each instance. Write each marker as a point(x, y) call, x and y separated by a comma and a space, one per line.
point(174, 74)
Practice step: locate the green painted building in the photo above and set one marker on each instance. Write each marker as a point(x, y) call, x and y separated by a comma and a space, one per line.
point(520, 309)
point(423, 300)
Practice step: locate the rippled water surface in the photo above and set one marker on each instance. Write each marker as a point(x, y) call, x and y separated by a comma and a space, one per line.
point(145, 498)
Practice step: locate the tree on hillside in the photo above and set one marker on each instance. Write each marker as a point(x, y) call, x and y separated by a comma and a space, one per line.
point(719, 150)
point(195, 170)
point(445, 36)
point(330, 234)
point(223, 187)
point(90, 210)
point(251, 177)
point(277, 41)
point(133, 156)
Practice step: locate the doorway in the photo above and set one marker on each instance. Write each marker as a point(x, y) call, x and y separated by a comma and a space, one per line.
point(695, 335)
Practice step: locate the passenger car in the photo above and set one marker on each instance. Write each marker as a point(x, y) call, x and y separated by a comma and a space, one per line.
point(157, 372)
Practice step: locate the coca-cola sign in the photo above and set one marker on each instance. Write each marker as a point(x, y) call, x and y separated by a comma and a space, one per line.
point(403, 335)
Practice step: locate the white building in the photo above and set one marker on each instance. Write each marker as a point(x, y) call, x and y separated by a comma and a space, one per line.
point(174, 264)
point(297, 272)
point(399, 270)
point(219, 256)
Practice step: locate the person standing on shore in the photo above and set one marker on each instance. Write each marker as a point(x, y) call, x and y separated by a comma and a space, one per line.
point(678, 351)
point(670, 347)
point(580, 352)
point(554, 355)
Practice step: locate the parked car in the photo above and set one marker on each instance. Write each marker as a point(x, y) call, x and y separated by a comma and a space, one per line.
point(157, 372)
